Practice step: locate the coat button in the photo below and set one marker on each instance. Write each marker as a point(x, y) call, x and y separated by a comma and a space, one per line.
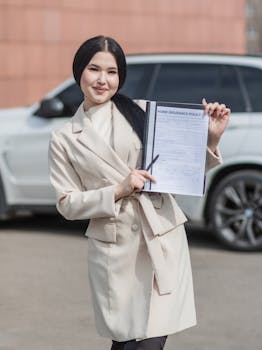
point(134, 227)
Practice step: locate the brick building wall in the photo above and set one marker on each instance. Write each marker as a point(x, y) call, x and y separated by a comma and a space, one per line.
point(38, 38)
point(254, 26)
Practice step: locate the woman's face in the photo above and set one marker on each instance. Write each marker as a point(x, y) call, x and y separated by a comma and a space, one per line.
point(100, 79)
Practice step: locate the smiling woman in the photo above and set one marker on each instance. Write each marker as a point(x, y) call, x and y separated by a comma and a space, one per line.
point(138, 259)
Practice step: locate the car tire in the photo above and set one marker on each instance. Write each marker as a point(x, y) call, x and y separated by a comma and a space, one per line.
point(235, 210)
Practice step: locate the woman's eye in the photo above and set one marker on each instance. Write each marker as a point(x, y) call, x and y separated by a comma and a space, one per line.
point(94, 69)
point(112, 72)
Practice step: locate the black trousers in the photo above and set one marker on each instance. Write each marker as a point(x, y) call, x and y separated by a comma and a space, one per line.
point(156, 343)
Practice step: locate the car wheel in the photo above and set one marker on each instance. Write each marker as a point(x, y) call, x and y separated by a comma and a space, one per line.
point(235, 210)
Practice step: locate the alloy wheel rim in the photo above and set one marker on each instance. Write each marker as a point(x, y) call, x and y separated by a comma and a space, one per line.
point(238, 213)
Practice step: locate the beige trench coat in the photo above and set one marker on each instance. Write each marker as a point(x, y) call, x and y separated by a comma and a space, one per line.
point(138, 258)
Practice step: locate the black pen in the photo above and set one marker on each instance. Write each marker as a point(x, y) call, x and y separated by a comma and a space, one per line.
point(151, 164)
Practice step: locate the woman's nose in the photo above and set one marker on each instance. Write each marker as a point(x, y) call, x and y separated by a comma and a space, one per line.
point(102, 78)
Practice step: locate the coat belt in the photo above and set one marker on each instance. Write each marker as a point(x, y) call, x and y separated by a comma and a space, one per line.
point(152, 229)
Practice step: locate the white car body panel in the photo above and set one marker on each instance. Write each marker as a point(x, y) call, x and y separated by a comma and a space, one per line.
point(24, 140)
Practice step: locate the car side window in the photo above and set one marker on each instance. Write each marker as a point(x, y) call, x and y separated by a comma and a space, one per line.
point(252, 78)
point(137, 80)
point(190, 82)
point(71, 97)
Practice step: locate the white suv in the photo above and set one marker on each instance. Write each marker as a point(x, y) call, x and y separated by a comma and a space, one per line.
point(232, 206)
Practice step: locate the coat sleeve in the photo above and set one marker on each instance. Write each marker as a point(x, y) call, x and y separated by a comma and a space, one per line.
point(72, 201)
point(212, 159)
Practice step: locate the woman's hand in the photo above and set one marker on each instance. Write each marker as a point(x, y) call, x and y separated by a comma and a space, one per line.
point(134, 182)
point(219, 117)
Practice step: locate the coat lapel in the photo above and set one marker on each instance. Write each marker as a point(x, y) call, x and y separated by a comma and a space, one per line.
point(123, 135)
point(95, 143)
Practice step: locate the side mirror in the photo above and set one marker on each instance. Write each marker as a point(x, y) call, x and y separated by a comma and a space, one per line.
point(51, 107)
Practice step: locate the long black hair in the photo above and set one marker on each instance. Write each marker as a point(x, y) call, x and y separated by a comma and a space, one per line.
point(130, 110)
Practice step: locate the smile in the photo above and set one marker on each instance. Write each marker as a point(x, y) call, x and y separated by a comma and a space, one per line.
point(100, 90)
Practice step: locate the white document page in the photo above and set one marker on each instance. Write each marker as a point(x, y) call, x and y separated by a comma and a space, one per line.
point(180, 140)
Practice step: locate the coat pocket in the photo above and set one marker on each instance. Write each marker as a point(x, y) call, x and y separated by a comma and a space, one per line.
point(170, 215)
point(102, 229)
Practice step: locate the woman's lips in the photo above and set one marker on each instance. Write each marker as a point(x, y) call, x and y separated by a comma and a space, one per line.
point(99, 90)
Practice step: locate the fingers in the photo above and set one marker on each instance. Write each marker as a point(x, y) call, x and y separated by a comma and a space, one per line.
point(227, 111)
point(142, 175)
point(147, 175)
point(134, 182)
point(138, 179)
point(206, 105)
point(215, 108)
point(212, 107)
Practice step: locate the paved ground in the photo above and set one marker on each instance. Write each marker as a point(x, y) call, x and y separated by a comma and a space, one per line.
point(45, 300)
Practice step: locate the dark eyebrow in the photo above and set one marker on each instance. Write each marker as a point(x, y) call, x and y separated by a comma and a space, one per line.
point(92, 64)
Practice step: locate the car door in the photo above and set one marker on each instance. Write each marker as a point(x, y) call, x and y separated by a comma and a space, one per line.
point(252, 80)
point(27, 151)
point(26, 159)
